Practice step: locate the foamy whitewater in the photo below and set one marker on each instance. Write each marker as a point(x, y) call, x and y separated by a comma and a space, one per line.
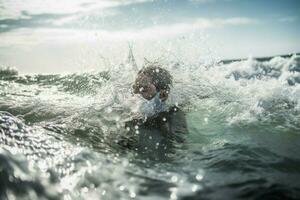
point(59, 134)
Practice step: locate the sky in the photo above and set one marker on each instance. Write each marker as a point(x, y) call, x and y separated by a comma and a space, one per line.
point(54, 36)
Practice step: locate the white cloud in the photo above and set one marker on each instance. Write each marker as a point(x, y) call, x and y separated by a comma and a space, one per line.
point(13, 9)
point(238, 21)
point(3, 25)
point(182, 28)
point(287, 19)
point(206, 1)
point(26, 37)
point(202, 1)
point(85, 15)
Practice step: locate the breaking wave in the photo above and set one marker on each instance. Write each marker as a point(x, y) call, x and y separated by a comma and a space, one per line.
point(59, 132)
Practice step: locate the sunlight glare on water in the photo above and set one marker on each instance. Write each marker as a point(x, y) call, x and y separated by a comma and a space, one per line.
point(66, 75)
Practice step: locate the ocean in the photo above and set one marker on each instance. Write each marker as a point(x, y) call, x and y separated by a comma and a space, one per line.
point(59, 133)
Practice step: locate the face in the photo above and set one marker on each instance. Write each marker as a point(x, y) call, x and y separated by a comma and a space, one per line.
point(144, 87)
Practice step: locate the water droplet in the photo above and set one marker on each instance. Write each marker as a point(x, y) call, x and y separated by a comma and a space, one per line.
point(194, 188)
point(199, 177)
point(109, 110)
point(174, 179)
point(173, 196)
point(85, 189)
point(132, 195)
point(122, 187)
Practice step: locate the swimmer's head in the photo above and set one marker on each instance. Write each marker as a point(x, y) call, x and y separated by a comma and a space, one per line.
point(153, 79)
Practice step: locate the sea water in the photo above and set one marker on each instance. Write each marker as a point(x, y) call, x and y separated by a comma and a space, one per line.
point(59, 134)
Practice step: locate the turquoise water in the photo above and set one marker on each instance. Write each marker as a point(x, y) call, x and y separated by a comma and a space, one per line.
point(59, 134)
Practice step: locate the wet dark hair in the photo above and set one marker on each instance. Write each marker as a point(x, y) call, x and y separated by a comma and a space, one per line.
point(158, 76)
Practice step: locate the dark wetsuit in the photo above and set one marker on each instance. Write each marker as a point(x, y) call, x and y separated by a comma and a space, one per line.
point(156, 135)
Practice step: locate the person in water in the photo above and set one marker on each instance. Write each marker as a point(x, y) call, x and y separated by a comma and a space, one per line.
point(160, 124)
point(153, 83)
